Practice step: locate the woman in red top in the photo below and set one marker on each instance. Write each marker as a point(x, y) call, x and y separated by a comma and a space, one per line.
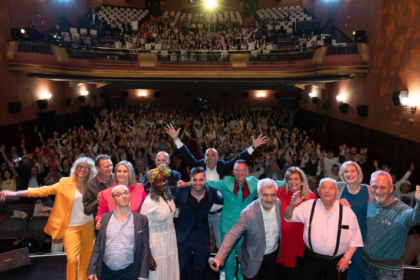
point(124, 175)
point(292, 245)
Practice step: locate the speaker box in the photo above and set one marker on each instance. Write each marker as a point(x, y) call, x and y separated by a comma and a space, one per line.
point(93, 96)
point(327, 39)
point(66, 101)
point(14, 107)
point(82, 98)
point(14, 259)
point(306, 97)
point(188, 94)
point(246, 94)
point(326, 104)
point(157, 93)
point(125, 93)
point(224, 94)
point(343, 107)
point(397, 96)
point(42, 104)
point(314, 100)
point(277, 94)
point(102, 95)
point(362, 110)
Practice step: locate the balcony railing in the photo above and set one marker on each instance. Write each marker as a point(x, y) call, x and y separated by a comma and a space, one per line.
point(274, 56)
point(342, 49)
point(105, 55)
point(193, 57)
point(307, 25)
point(34, 47)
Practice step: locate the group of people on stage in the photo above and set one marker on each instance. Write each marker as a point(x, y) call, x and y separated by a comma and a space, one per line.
point(115, 228)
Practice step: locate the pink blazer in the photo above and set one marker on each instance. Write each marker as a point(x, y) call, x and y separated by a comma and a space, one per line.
point(138, 195)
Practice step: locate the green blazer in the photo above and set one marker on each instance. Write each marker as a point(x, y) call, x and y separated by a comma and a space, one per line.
point(232, 204)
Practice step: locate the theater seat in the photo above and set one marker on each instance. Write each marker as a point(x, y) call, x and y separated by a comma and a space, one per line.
point(12, 228)
point(36, 226)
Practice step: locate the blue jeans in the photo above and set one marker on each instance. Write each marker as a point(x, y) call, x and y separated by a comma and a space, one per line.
point(214, 222)
point(375, 273)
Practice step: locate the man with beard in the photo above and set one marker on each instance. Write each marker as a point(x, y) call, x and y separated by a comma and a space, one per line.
point(192, 228)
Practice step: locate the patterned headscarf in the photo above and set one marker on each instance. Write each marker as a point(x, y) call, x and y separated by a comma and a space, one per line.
point(162, 169)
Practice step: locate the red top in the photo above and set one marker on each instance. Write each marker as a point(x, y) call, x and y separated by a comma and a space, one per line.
point(137, 196)
point(292, 243)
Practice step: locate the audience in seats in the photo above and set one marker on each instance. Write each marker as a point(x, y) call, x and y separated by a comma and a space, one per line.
point(130, 145)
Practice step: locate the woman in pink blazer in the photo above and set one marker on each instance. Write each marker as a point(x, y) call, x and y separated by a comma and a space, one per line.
point(123, 175)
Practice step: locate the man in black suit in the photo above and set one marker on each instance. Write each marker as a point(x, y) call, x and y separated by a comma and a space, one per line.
point(122, 249)
point(94, 19)
point(163, 157)
point(215, 169)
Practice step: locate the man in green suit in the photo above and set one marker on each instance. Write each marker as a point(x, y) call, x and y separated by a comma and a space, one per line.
point(238, 192)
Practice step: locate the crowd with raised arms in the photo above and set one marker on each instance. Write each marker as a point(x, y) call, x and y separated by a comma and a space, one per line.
point(120, 180)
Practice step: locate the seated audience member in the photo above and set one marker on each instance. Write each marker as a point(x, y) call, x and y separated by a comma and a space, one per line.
point(311, 165)
point(256, 173)
point(272, 169)
point(122, 248)
point(388, 222)
point(330, 242)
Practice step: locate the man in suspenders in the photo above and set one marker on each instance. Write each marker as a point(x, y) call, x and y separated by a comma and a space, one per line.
point(331, 233)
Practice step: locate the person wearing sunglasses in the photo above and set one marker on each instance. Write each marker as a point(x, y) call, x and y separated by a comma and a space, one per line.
point(67, 220)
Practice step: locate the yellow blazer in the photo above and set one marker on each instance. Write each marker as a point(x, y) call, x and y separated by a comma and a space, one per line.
point(59, 219)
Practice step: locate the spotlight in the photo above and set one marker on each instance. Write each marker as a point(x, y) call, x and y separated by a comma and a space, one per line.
point(22, 31)
point(359, 35)
point(210, 4)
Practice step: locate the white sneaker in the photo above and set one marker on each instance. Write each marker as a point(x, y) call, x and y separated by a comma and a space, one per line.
point(222, 275)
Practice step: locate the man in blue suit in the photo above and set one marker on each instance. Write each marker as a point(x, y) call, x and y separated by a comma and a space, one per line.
point(192, 228)
point(163, 157)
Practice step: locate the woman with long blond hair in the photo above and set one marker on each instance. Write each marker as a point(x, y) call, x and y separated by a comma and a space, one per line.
point(123, 175)
point(67, 220)
point(292, 244)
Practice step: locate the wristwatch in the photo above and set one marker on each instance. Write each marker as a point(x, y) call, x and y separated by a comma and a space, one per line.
point(349, 261)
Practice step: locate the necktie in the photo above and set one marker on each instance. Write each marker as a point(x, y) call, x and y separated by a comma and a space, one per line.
point(240, 191)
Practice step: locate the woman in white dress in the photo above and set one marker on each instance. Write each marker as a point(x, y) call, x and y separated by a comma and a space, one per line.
point(159, 207)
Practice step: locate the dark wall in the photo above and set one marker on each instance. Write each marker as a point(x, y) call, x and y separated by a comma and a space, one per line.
point(396, 152)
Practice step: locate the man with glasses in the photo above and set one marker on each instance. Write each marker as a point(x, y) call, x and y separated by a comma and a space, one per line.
point(95, 185)
point(122, 249)
point(238, 192)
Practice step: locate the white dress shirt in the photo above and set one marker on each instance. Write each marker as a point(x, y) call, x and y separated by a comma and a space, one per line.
point(324, 227)
point(328, 164)
point(271, 229)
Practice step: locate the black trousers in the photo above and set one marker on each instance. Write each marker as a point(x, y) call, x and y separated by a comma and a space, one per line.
point(316, 267)
point(109, 274)
point(267, 269)
point(295, 273)
point(191, 250)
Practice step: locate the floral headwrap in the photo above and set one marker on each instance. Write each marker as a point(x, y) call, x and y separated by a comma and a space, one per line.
point(162, 169)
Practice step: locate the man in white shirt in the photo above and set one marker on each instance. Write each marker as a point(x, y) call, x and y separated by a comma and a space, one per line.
point(328, 163)
point(331, 233)
point(260, 226)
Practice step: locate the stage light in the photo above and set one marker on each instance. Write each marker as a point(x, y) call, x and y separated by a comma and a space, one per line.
point(210, 4)
point(22, 31)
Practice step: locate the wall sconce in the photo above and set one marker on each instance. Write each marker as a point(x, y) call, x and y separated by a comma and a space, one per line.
point(46, 96)
point(398, 96)
point(340, 98)
point(261, 95)
point(408, 103)
point(84, 92)
point(312, 94)
point(142, 94)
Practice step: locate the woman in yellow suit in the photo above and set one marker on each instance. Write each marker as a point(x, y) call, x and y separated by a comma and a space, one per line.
point(67, 219)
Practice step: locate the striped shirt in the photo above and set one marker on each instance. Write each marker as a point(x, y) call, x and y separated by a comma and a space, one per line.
point(119, 249)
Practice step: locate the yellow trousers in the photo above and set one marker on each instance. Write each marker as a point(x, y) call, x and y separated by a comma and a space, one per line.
point(78, 244)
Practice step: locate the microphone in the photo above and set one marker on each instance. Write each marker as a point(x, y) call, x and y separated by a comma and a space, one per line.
point(212, 262)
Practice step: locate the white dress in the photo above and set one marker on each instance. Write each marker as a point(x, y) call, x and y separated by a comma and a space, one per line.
point(162, 238)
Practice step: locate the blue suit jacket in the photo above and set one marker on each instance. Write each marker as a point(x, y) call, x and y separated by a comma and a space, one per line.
point(223, 167)
point(187, 216)
point(172, 180)
point(141, 247)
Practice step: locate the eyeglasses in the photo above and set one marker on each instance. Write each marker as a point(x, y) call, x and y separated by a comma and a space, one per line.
point(118, 195)
point(241, 170)
point(80, 167)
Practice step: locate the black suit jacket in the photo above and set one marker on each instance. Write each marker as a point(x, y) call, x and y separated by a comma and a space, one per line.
point(141, 245)
point(172, 181)
point(223, 167)
point(187, 217)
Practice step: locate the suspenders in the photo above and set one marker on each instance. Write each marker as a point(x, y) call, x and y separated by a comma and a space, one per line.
point(340, 220)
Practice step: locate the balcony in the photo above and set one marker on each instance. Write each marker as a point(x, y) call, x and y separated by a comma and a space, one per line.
point(287, 63)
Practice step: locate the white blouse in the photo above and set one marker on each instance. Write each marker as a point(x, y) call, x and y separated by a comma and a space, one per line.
point(78, 217)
